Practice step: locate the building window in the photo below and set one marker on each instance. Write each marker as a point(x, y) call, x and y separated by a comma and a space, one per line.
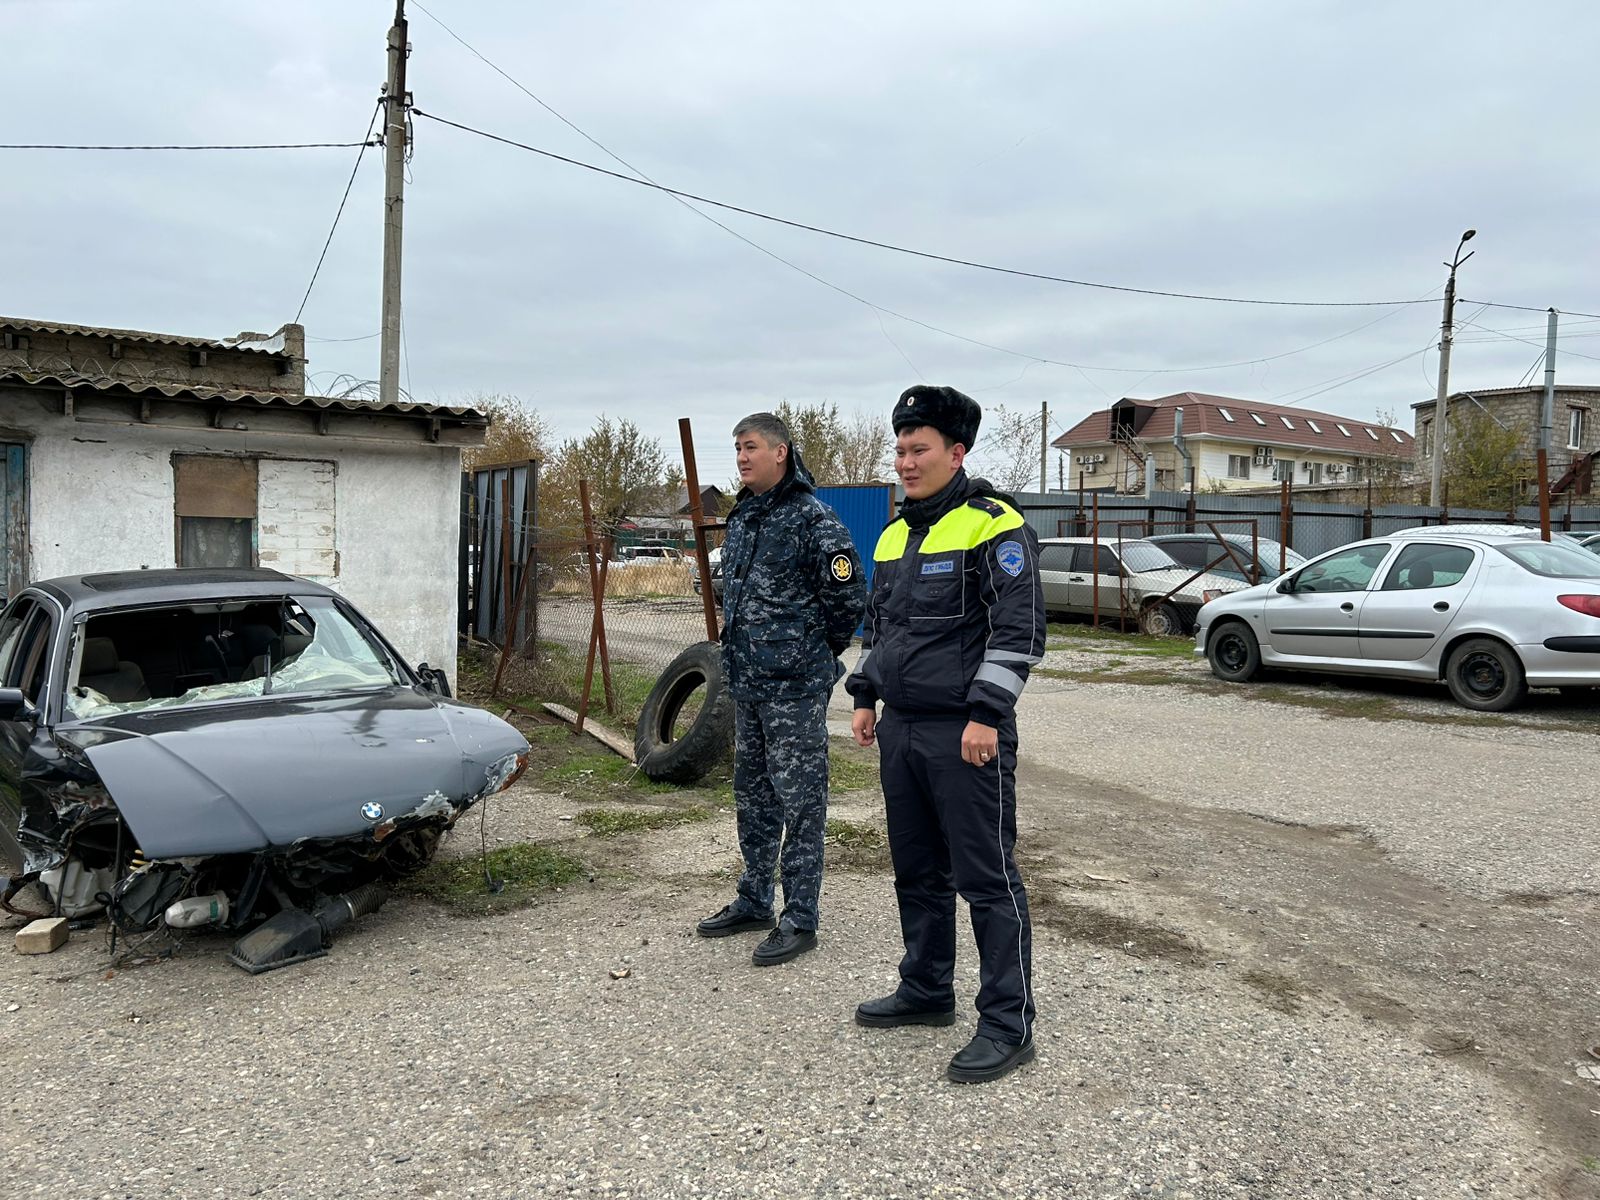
point(1373, 434)
point(1341, 429)
point(214, 500)
point(246, 512)
point(1287, 424)
point(1577, 418)
point(1256, 417)
point(1283, 469)
point(1166, 479)
point(1356, 472)
point(1226, 415)
point(1396, 436)
point(1238, 466)
point(1425, 439)
point(1313, 472)
point(1315, 428)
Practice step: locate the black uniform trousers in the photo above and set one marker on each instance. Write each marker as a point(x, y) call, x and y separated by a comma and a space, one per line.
point(952, 828)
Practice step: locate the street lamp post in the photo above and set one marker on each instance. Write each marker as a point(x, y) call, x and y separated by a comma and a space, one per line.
point(1441, 404)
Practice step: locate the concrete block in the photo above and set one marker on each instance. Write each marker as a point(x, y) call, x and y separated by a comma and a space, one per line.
point(42, 936)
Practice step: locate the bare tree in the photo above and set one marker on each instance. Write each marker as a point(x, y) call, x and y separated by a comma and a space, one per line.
point(626, 472)
point(1008, 449)
point(517, 432)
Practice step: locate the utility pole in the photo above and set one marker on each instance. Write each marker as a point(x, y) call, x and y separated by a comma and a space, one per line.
point(1546, 419)
point(1441, 416)
point(1044, 446)
point(396, 104)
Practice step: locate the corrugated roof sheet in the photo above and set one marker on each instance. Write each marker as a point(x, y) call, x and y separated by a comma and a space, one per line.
point(249, 343)
point(1205, 414)
point(1527, 389)
point(264, 399)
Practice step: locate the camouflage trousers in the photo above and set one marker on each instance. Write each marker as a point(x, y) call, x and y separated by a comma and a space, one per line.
point(780, 785)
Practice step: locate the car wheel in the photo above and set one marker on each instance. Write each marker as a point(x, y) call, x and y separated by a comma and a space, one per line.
point(709, 738)
point(1234, 653)
point(1161, 620)
point(1485, 675)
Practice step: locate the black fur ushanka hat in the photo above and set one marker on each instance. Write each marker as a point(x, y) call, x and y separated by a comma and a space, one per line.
point(952, 413)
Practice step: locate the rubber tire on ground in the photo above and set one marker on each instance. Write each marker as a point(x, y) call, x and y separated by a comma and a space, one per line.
point(1485, 675)
point(1233, 652)
point(1161, 620)
point(707, 741)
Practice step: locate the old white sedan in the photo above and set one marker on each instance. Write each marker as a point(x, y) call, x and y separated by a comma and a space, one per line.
point(1489, 614)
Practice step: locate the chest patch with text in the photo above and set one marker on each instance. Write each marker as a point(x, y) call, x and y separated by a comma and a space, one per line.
point(947, 567)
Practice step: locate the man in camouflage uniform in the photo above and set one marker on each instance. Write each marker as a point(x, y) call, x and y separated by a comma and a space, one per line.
point(793, 596)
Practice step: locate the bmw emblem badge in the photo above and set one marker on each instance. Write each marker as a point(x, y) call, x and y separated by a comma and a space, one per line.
point(371, 811)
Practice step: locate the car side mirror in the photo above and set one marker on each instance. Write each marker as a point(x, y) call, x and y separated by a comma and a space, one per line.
point(14, 706)
point(434, 680)
point(1286, 585)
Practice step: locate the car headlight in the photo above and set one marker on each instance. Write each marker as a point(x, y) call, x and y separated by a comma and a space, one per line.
point(1210, 594)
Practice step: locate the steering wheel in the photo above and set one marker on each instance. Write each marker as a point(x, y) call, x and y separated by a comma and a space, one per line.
point(1336, 584)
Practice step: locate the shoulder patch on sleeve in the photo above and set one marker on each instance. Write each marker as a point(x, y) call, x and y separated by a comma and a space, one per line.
point(1010, 557)
point(993, 507)
point(842, 568)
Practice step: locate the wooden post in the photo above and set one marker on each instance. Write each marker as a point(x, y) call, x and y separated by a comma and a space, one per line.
point(1544, 493)
point(597, 631)
point(605, 652)
point(702, 557)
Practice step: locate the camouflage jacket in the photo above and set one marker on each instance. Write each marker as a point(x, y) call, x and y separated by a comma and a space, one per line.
point(793, 591)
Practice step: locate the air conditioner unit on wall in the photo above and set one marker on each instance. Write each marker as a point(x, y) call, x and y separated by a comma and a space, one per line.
point(1089, 469)
point(1263, 456)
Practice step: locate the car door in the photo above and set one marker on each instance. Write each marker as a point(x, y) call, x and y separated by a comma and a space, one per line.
point(1422, 592)
point(1315, 612)
point(24, 657)
point(1097, 574)
point(1055, 569)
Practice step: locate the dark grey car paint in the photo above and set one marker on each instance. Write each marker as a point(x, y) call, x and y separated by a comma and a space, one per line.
point(247, 776)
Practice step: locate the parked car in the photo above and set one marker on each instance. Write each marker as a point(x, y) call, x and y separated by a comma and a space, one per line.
point(1489, 614)
point(714, 560)
point(237, 748)
point(1590, 542)
point(1471, 529)
point(650, 552)
point(1211, 552)
point(1135, 578)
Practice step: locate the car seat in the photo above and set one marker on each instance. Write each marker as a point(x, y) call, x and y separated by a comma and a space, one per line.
point(118, 680)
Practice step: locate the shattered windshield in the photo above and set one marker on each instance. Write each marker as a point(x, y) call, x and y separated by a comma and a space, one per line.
point(158, 658)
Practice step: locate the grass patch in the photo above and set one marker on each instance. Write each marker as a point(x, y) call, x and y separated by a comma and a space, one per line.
point(610, 822)
point(528, 870)
point(1277, 992)
point(1139, 677)
point(1110, 641)
point(1086, 923)
point(850, 846)
point(849, 769)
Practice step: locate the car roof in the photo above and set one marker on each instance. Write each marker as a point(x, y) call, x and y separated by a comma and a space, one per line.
point(173, 585)
point(1084, 541)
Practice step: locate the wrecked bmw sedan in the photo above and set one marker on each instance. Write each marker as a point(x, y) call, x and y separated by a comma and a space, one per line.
point(233, 748)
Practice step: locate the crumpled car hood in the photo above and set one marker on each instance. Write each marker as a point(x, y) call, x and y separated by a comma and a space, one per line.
point(240, 778)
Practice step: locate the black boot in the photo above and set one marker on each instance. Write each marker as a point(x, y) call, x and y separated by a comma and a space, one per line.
point(983, 1059)
point(731, 920)
point(889, 1011)
point(783, 944)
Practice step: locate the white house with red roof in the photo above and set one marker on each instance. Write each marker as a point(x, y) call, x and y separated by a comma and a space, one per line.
point(1232, 444)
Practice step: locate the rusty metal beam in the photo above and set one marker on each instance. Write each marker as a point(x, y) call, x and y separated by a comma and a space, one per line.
point(702, 556)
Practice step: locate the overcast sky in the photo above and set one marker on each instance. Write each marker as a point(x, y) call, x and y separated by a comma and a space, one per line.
point(1291, 151)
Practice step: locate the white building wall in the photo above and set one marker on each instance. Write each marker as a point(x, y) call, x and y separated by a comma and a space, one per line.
point(101, 499)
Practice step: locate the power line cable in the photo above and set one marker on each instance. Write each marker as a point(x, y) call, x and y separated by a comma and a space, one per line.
point(1529, 308)
point(878, 310)
point(1529, 341)
point(253, 146)
point(898, 249)
point(317, 270)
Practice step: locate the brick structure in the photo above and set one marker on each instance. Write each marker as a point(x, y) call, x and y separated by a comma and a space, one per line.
point(1574, 426)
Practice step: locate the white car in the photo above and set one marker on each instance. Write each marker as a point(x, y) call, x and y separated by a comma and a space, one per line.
point(1489, 614)
point(1139, 580)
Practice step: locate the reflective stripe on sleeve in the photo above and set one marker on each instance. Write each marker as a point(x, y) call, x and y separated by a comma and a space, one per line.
point(1013, 656)
point(1000, 677)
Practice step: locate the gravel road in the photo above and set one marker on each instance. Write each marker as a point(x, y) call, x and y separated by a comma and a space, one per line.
point(1279, 953)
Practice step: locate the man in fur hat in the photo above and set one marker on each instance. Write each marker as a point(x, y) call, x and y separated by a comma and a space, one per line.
point(954, 621)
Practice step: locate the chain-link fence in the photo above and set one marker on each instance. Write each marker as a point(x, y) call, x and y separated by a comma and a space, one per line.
point(651, 610)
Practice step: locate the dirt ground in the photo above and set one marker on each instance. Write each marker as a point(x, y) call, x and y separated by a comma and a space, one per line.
point(1303, 941)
